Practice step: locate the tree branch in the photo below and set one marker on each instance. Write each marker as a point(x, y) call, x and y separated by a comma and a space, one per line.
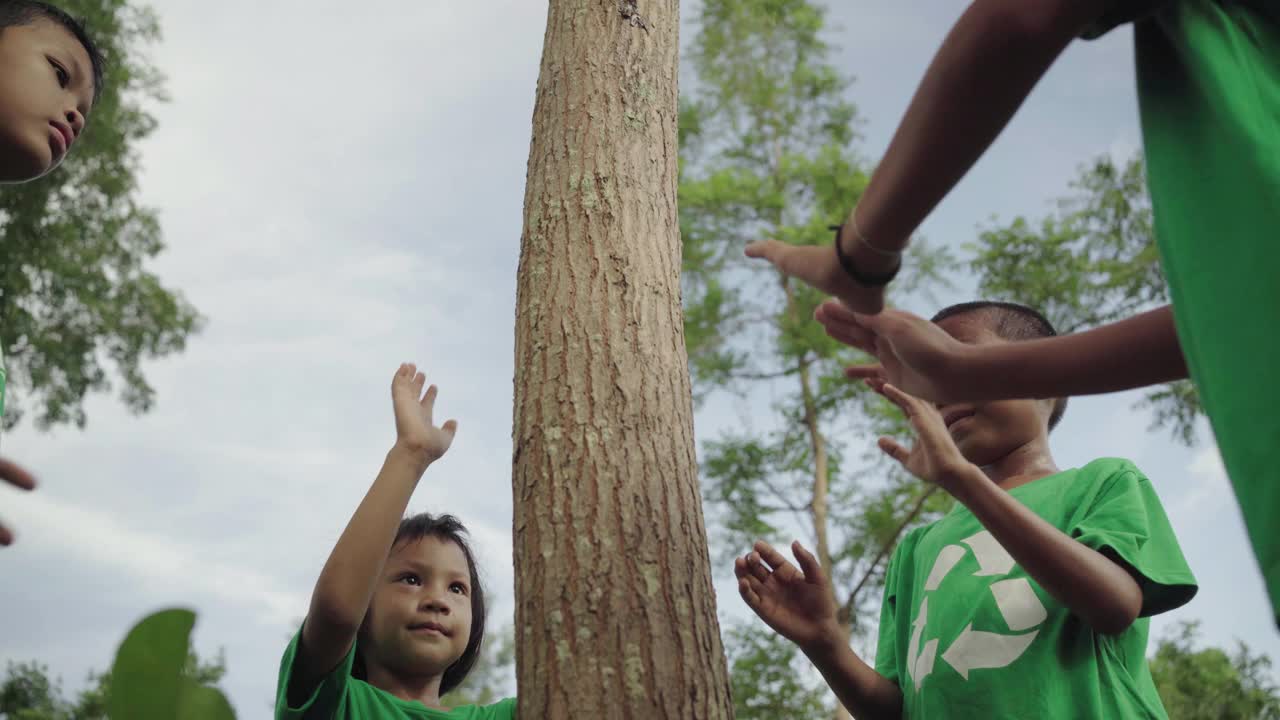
point(846, 612)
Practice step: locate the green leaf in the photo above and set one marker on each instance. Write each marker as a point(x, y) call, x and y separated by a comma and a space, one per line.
point(147, 674)
point(198, 702)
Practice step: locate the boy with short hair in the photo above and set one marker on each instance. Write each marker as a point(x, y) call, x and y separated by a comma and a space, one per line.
point(1209, 94)
point(50, 76)
point(1029, 600)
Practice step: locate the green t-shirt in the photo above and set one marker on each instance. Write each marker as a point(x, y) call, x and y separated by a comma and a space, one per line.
point(967, 634)
point(1209, 96)
point(339, 696)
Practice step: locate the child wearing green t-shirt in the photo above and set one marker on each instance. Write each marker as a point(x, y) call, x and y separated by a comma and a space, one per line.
point(1030, 599)
point(50, 76)
point(398, 614)
point(1208, 81)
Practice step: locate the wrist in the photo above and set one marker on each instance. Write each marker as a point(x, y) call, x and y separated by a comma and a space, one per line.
point(868, 244)
point(967, 484)
point(411, 454)
point(829, 643)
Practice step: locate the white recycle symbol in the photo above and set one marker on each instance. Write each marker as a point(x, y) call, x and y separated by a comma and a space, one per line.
point(974, 649)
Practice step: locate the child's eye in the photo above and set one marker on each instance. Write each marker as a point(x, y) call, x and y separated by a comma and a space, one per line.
point(411, 579)
point(64, 77)
point(458, 588)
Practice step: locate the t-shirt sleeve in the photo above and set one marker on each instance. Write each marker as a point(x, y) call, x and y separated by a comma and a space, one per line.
point(1118, 13)
point(326, 699)
point(887, 642)
point(1127, 519)
point(504, 709)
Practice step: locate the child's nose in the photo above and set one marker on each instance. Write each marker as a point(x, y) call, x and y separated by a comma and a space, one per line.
point(433, 601)
point(76, 121)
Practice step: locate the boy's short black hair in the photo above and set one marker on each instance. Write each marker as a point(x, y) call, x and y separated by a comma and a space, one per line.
point(1012, 322)
point(448, 528)
point(25, 12)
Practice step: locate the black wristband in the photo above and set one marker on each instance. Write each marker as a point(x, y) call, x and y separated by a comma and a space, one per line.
point(858, 276)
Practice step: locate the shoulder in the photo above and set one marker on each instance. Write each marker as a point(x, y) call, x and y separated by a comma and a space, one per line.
point(1111, 469)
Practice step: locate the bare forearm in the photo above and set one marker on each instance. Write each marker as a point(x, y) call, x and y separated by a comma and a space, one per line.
point(1090, 584)
point(865, 693)
point(1142, 350)
point(986, 67)
point(347, 581)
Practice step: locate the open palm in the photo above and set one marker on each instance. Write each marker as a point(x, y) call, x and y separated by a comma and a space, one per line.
point(798, 604)
point(14, 475)
point(415, 427)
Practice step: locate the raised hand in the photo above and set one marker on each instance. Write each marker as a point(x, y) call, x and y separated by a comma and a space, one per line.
point(914, 354)
point(798, 603)
point(934, 457)
point(13, 475)
point(415, 428)
point(818, 266)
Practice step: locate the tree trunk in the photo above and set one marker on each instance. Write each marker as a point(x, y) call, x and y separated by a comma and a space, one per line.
point(615, 611)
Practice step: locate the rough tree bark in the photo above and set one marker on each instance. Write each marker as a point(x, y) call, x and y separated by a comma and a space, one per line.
point(615, 612)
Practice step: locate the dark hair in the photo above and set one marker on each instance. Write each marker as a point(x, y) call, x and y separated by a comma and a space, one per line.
point(25, 12)
point(1012, 322)
point(448, 528)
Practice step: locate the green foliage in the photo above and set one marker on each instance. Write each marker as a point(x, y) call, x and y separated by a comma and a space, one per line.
point(148, 678)
point(1091, 262)
point(77, 304)
point(495, 672)
point(27, 693)
point(771, 679)
point(766, 151)
point(1210, 684)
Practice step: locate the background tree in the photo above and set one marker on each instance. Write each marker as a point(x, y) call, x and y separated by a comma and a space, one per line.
point(494, 674)
point(1210, 683)
point(28, 693)
point(766, 141)
point(1092, 261)
point(614, 604)
point(79, 311)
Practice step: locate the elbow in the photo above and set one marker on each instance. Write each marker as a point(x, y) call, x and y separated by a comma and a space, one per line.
point(1116, 617)
point(1035, 23)
point(333, 618)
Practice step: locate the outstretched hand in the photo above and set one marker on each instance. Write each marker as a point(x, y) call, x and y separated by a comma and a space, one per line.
point(914, 354)
point(934, 457)
point(415, 428)
point(14, 475)
point(798, 603)
point(818, 266)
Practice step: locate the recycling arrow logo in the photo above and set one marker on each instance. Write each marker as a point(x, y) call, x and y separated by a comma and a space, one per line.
point(978, 649)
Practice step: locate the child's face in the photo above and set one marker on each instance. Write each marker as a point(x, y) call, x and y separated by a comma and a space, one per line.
point(987, 432)
point(420, 618)
point(46, 90)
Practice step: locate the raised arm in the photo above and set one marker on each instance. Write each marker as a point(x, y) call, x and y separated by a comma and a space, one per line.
point(346, 584)
point(1093, 586)
point(986, 67)
point(798, 603)
point(922, 359)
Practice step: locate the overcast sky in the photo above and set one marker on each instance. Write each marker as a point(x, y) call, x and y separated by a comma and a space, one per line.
point(340, 186)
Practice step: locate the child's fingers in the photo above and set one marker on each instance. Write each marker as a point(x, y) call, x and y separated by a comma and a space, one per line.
point(757, 568)
point(864, 372)
point(890, 447)
point(6, 537)
point(809, 565)
point(14, 475)
point(749, 594)
point(770, 555)
point(450, 427)
point(909, 404)
point(428, 400)
point(767, 249)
